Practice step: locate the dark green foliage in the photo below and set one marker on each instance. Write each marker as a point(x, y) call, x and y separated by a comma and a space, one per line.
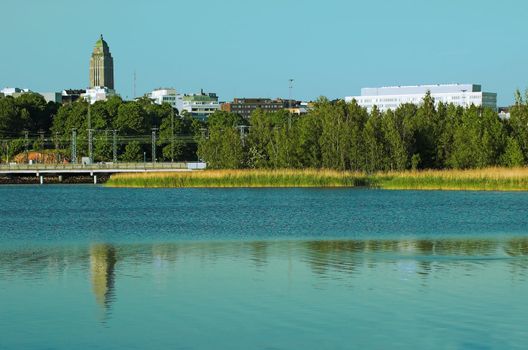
point(12, 121)
point(336, 135)
point(37, 110)
point(133, 152)
point(518, 123)
point(223, 147)
point(132, 119)
point(333, 135)
point(513, 156)
point(478, 140)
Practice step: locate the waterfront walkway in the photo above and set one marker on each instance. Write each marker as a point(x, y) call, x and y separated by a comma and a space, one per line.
point(93, 170)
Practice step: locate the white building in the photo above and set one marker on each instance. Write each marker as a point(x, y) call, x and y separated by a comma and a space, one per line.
point(52, 96)
point(8, 91)
point(199, 106)
point(98, 93)
point(392, 97)
point(166, 95)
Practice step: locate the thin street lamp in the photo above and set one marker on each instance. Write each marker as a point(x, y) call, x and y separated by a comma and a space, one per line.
point(290, 87)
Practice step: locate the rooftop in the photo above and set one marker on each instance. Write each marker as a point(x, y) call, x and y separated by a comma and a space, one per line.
point(420, 89)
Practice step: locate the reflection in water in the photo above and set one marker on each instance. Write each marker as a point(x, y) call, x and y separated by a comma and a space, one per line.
point(340, 255)
point(327, 259)
point(102, 265)
point(259, 253)
point(517, 247)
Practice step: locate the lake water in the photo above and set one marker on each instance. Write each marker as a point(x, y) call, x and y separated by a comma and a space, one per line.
point(85, 267)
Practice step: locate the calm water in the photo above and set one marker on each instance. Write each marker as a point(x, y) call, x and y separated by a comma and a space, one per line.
point(90, 267)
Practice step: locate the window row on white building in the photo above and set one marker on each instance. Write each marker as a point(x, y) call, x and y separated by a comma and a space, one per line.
point(386, 98)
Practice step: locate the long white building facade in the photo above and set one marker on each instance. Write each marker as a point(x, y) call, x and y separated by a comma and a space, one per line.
point(392, 97)
point(199, 106)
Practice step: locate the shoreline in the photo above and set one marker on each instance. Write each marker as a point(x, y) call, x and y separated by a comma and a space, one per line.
point(489, 179)
point(50, 180)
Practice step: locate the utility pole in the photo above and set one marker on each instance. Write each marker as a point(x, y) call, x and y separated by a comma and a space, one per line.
point(134, 92)
point(26, 140)
point(172, 136)
point(74, 146)
point(154, 145)
point(242, 129)
point(290, 87)
point(56, 147)
point(90, 143)
point(41, 136)
point(114, 145)
point(6, 150)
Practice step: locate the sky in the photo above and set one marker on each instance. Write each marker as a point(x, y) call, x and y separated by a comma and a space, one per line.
point(250, 48)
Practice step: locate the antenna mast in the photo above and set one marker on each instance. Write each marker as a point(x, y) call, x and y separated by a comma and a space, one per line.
point(134, 84)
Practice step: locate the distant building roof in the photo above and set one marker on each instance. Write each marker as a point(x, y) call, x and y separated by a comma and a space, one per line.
point(420, 89)
point(75, 92)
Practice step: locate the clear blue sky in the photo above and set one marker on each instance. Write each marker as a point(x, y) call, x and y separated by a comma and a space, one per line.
point(250, 48)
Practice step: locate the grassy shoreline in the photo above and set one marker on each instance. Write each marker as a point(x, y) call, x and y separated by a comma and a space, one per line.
point(490, 179)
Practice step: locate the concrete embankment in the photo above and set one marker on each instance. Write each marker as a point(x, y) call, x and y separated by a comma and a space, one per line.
point(33, 180)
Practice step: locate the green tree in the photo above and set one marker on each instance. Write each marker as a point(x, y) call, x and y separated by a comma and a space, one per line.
point(37, 111)
point(172, 145)
point(518, 122)
point(133, 152)
point(222, 148)
point(513, 156)
point(132, 119)
point(395, 150)
point(12, 122)
point(335, 139)
point(358, 117)
point(102, 146)
point(308, 148)
point(262, 140)
point(478, 139)
point(376, 158)
point(426, 134)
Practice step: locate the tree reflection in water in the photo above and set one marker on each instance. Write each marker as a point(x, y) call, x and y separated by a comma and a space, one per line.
point(102, 267)
point(341, 259)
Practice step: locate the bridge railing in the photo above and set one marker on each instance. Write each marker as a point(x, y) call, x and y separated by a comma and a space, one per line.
point(96, 166)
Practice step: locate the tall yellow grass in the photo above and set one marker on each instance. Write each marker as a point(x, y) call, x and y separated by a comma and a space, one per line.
point(493, 179)
point(477, 179)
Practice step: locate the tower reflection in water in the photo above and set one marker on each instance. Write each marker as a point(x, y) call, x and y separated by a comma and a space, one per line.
point(102, 266)
point(325, 258)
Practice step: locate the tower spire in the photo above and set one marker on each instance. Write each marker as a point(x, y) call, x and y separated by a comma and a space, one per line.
point(101, 65)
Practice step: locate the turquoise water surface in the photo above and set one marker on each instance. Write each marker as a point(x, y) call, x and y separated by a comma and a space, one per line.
point(85, 267)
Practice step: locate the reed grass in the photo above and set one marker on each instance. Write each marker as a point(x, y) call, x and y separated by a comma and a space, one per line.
point(491, 179)
point(240, 178)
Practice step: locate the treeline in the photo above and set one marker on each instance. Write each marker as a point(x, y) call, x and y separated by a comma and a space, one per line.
point(333, 135)
point(28, 112)
point(50, 126)
point(343, 136)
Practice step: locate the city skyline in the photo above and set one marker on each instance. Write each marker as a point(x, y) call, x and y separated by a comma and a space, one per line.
point(237, 51)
